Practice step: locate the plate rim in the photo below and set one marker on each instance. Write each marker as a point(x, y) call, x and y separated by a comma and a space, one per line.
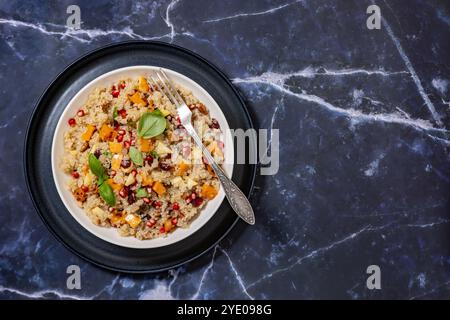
point(34, 111)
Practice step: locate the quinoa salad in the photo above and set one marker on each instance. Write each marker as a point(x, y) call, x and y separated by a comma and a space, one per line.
point(131, 164)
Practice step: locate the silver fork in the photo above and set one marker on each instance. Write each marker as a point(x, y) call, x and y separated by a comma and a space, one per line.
point(235, 196)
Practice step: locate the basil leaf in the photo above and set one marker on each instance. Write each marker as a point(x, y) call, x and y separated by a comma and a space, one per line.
point(107, 154)
point(157, 112)
point(96, 166)
point(151, 124)
point(115, 113)
point(101, 180)
point(107, 194)
point(154, 154)
point(136, 156)
point(141, 193)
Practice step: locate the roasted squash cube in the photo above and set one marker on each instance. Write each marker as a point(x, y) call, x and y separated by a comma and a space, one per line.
point(87, 135)
point(159, 188)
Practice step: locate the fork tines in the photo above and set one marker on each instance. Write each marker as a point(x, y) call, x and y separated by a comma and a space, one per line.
point(166, 87)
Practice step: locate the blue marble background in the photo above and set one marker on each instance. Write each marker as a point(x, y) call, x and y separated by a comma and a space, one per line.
point(364, 135)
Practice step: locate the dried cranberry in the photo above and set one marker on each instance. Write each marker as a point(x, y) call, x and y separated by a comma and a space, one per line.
point(162, 229)
point(119, 138)
point(75, 174)
point(85, 188)
point(122, 85)
point(127, 144)
point(131, 197)
point(214, 124)
point(149, 160)
point(97, 153)
point(164, 166)
point(175, 206)
point(72, 122)
point(125, 163)
point(197, 201)
point(116, 125)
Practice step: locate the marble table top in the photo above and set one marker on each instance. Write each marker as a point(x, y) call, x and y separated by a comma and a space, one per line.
point(364, 175)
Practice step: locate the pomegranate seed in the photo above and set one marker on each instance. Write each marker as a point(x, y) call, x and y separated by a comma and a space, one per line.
point(121, 132)
point(149, 190)
point(151, 223)
point(174, 221)
point(123, 192)
point(127, 144)
point(119, 138)
point(111, 209)
point(115, 94)
point(113, 173)
point(175, 206)
point(72, 122)
point(80, 113)
point(146, 200)
point(162, 230)
point(157, 204)
point(125, 163)
point(193, 195)
point(164, 166)
point(85, 188)
point(197, 202)
point(188, 200)
point(75, 174)
point(122, 113)
point(122, 85)
point(134, 172)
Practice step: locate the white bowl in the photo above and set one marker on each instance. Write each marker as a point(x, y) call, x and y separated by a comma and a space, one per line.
point(61, 179)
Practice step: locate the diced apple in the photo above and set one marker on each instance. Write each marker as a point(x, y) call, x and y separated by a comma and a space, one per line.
point(130, 180)
point(162, 149)
point(133, 220)
point(115, 162)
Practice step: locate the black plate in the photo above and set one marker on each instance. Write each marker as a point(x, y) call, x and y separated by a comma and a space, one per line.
point(38, 148)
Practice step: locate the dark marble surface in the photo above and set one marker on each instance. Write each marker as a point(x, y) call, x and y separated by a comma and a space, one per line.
point(364, 132)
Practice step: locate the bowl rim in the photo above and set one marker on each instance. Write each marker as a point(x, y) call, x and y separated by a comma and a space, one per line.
point(111, 235)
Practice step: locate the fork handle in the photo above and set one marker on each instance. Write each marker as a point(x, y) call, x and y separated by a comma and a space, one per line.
point(235, 196)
